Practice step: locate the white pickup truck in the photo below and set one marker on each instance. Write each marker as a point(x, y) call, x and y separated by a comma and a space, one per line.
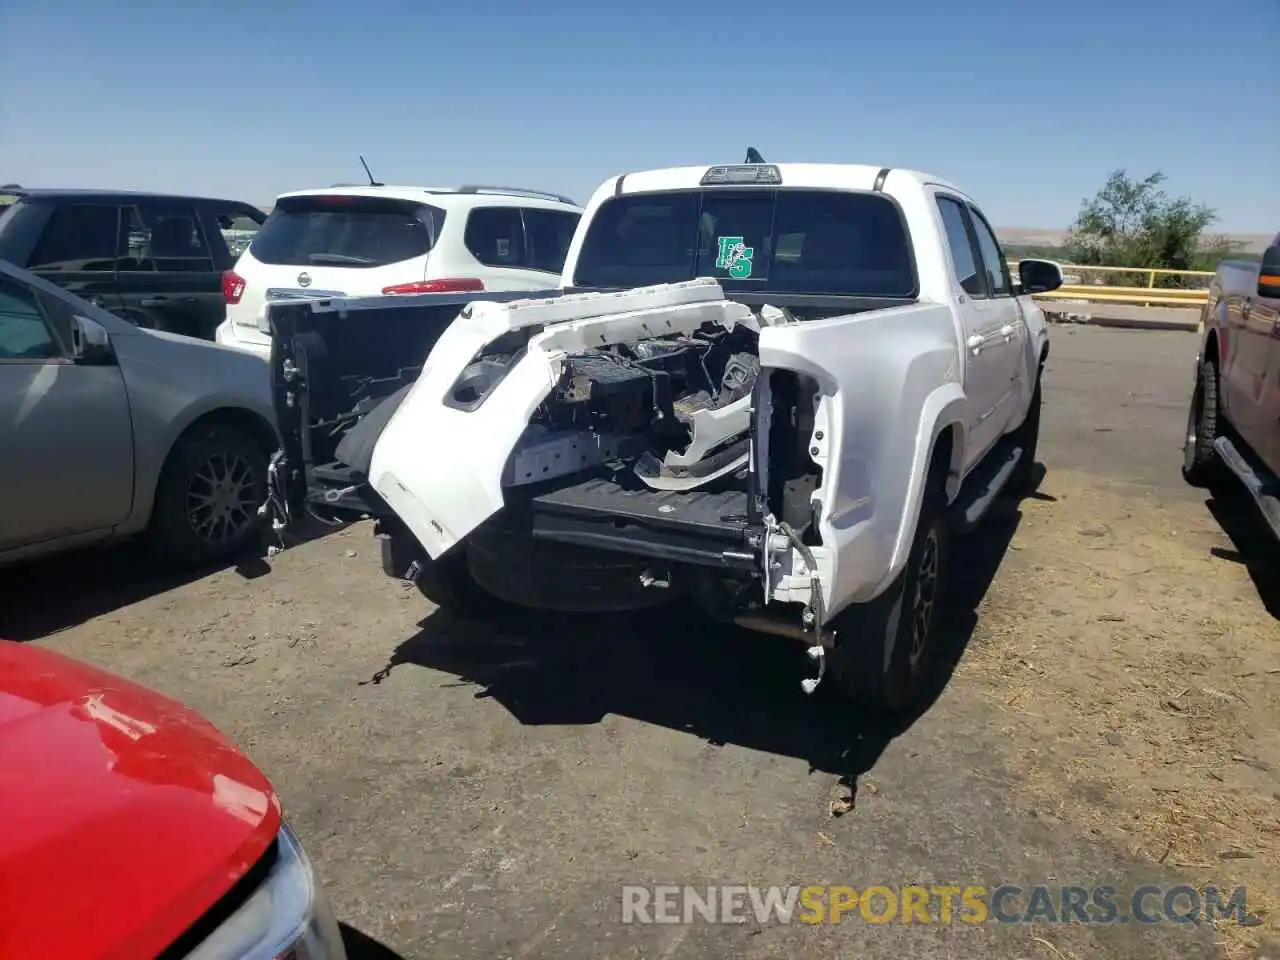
point(774, 389)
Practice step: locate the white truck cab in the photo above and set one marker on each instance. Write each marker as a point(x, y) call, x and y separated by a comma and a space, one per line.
point(957, 258)
point(775, 389)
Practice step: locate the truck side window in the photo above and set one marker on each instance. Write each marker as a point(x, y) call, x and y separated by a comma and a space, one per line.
point(992, 257)
point(963, 256)
point(79, 237)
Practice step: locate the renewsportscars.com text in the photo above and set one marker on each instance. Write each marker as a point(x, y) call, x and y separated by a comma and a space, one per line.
point(932, 904)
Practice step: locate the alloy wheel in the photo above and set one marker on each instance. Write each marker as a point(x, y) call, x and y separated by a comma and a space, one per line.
point(222, 497)
point(924, 598)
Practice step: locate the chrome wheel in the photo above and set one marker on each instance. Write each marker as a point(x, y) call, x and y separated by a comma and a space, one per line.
point(924, 597)
point(1194, 418)
point(222, 497)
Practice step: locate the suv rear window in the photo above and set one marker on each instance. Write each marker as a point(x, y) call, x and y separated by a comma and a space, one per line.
point(785, 241)
point(344, 231)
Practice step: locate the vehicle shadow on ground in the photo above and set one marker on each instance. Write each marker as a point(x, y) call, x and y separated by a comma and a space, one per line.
point(42, 597)
point(361, 946)
point(1252, 543)
point(667, 667)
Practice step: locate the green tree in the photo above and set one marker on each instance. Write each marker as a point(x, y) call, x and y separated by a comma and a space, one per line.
point(1134, 223)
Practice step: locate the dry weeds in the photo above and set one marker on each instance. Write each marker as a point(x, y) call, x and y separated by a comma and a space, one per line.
point(1145, 686)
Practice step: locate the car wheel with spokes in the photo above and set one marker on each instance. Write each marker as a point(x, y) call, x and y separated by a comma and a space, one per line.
point(206, 506)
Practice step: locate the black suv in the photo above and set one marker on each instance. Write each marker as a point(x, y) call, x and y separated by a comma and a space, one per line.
point(152, 259)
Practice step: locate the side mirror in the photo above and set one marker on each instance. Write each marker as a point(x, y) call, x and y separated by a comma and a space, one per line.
point(1039, 276)
point(1269, 274)
point(90, 342)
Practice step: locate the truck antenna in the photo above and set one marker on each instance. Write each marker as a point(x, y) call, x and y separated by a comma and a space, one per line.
point(753, 156)
point(369, 174)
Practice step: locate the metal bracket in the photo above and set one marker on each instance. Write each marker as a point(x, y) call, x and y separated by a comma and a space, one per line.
point(276, 506)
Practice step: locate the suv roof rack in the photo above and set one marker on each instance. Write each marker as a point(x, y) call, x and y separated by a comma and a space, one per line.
point(516, 192)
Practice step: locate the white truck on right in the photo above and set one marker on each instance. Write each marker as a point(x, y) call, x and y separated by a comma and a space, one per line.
point(1234, 421)
point(774, 389)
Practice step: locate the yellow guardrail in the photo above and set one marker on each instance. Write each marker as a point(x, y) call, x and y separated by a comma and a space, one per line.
point(1082, 285)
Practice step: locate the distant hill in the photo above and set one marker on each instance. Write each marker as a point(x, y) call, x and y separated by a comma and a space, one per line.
point(1039, 237)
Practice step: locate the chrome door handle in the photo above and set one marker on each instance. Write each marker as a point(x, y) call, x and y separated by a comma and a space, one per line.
point(976, 341)
point(1007, 332)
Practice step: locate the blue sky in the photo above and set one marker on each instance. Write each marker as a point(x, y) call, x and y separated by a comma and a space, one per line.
point(1026, 105)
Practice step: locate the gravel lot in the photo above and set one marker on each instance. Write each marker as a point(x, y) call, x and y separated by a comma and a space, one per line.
point(1113, 719)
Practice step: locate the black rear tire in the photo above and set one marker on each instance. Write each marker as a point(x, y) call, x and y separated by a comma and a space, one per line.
point(886, 649)
point(1200, 463)
point(207, 499)
point(534, 574)
point(1025, 475)
point(448, 584)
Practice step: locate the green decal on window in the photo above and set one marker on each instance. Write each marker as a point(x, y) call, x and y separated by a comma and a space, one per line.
point(735, 256)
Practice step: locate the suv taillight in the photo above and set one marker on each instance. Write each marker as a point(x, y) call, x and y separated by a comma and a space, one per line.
point(232, 287)
point(451, 285)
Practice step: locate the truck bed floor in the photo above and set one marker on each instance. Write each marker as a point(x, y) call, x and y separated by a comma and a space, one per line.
point(693, 527)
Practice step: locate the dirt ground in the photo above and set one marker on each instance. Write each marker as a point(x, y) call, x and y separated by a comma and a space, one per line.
point(466, 792)
point(1130, 665)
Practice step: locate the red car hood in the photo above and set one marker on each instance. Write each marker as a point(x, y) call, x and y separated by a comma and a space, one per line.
point(124, 816)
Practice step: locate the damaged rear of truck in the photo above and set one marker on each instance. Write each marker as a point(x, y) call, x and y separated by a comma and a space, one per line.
point(754, 391)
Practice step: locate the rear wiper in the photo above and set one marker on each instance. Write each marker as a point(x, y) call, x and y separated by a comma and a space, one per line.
point(337, 258)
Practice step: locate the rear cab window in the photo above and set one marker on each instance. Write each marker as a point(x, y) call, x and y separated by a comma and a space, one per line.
point(346, 231)
point(802, 241)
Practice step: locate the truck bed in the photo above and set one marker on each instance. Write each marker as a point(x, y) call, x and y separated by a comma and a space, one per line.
point(333, 362)
point(702, 527)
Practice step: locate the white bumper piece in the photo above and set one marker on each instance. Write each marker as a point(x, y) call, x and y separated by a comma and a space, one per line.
point(443, 469)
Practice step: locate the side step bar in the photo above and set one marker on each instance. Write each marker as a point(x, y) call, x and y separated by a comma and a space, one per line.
point(982, 487)
point(1267, 500)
